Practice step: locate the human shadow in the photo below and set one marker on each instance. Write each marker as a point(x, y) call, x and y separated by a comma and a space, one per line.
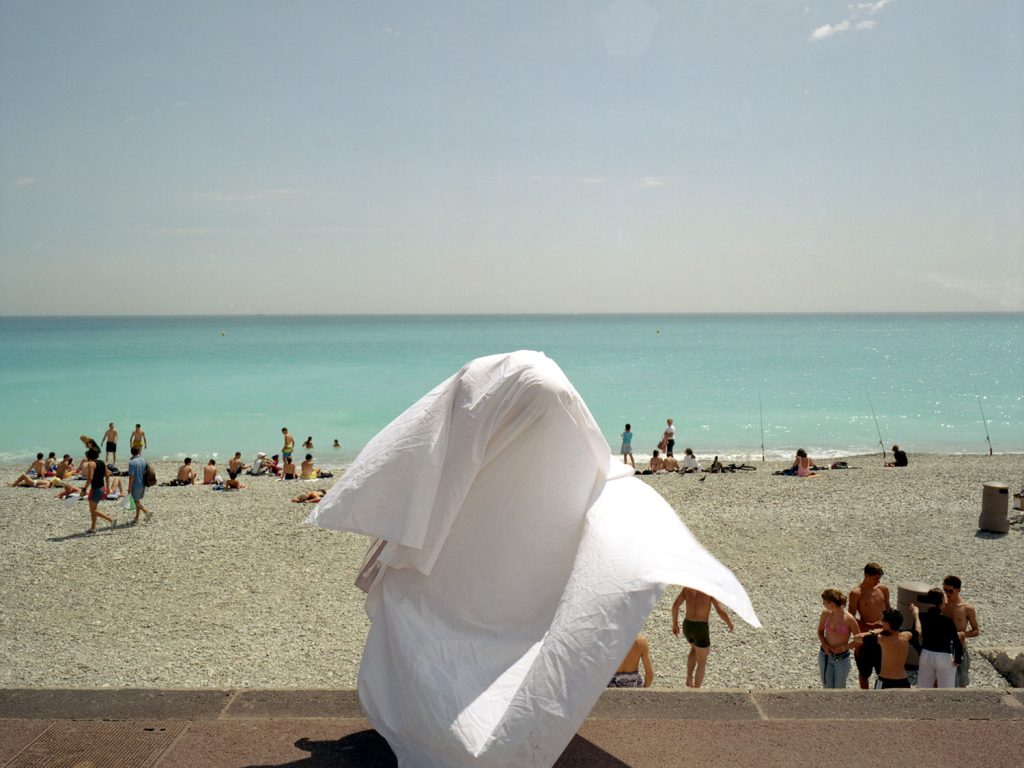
point(368, 749)
point(79, 535)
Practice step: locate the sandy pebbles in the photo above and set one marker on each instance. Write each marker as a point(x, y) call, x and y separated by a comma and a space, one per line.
point(230, 590)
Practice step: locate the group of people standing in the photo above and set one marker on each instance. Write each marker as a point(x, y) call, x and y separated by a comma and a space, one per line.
point(868, 627)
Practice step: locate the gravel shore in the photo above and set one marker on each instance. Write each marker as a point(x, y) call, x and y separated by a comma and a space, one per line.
point(230, 590)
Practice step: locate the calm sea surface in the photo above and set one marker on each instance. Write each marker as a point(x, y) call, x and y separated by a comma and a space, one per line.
point(207, 386)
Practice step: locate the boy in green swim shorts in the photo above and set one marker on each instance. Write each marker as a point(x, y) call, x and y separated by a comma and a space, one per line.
point(695, 630)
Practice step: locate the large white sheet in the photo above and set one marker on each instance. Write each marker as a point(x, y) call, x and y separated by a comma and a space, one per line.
point(518, 566)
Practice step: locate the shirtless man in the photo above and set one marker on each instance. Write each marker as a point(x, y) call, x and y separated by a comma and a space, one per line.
point(310, 497)
point(628, 674)
point(895, 646)
point(289, 445)
point(657, 463)
point(670, 464)
point(235, 466)
point(66, 468)
point(138, 439)
point(110, 438)
point(186, 475)
point(695, 630)
point(963, 615)
point(210, 472)
point(868, 601)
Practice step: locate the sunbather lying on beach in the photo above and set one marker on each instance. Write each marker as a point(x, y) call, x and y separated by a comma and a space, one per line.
point(24, 481)
point(310, 497)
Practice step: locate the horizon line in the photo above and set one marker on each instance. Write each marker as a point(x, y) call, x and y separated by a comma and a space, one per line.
point(848, 313)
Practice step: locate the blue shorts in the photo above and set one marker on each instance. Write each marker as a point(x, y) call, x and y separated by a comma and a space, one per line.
point(97, 494)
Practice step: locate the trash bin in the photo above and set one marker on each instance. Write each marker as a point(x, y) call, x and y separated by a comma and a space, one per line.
point(910, 593)
point(995, 508)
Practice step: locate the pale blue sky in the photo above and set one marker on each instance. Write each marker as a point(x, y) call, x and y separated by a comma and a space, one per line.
point(628, 156)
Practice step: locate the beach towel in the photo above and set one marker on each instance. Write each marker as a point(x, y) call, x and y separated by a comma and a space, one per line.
point(514, 565)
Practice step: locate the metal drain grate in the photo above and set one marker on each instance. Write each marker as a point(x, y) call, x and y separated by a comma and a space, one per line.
point(92, 744)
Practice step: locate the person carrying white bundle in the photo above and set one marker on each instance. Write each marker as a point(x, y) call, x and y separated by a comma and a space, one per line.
point(504, 527)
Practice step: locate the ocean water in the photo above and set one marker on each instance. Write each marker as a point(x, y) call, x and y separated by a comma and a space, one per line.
point(207, 386)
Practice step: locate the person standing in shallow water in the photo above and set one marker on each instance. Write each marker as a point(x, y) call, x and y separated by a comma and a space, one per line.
point(837, 630)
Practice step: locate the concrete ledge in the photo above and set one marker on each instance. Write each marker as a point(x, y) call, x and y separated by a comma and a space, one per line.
point(913, 704)
point(111, 704)
point(626, 704)
point(634, 705)
point(294, 704)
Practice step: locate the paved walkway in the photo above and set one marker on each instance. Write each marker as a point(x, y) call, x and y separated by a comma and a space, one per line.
point(637, 729)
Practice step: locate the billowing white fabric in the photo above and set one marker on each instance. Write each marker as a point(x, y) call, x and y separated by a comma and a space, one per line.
point(518, 568)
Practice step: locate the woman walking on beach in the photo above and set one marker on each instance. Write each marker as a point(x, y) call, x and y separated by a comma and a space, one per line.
point(95, 485)
point(836, 631)
point(941, 648)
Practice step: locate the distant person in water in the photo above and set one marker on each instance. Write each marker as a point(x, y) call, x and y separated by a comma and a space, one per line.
point(899, 458)
point(628, 674)
point(336, 443)
point(308, 445)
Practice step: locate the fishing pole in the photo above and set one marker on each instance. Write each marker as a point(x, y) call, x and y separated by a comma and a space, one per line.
point(760, 409)
point(983, 419)
point(879, 431)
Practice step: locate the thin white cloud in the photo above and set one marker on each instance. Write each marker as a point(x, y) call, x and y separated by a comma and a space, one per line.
point(25, 181)
point(853, 22)
point(236, 197)
point(980, 289)
point(656, 181)
point(591, 180)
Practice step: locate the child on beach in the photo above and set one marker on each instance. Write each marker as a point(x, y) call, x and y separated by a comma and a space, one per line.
point(627, 446)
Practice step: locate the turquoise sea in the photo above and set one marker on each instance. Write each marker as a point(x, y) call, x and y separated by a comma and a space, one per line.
point(207, 386)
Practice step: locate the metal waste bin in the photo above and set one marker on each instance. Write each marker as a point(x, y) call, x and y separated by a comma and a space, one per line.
point(910, 593)
point(995, 508)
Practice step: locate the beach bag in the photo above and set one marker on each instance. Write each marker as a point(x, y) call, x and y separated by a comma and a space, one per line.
point(149, 476)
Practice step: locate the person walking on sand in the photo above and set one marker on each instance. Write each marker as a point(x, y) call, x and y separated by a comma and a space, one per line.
point(110, 438)
point(628, 674)
point(966, 621)
point(627, 446)
point(868, 601)
point(837, 630)
point(96, 486)
point(137, 484)
point(289, 446)
point(696, 630)
point(138, 439)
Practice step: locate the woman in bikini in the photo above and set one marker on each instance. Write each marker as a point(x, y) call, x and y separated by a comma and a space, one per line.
point(837, 630)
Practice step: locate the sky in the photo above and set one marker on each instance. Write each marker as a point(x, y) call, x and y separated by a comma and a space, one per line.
point(633, 156)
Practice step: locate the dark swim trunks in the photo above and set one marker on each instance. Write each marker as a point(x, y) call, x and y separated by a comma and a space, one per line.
point(627, 680)
point(111, 447)
point(888, 682)
point(696, 632)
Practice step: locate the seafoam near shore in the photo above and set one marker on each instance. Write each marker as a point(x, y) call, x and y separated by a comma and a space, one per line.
point(231, 590)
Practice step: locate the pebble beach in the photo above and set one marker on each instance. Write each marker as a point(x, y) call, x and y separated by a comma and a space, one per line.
point(231, 590)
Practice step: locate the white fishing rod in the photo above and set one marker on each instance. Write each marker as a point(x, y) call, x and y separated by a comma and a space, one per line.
point(983, 419)
point(877, 429)
point(760, 409)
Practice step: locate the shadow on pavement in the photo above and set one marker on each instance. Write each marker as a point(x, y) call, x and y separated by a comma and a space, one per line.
point(368, 749)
